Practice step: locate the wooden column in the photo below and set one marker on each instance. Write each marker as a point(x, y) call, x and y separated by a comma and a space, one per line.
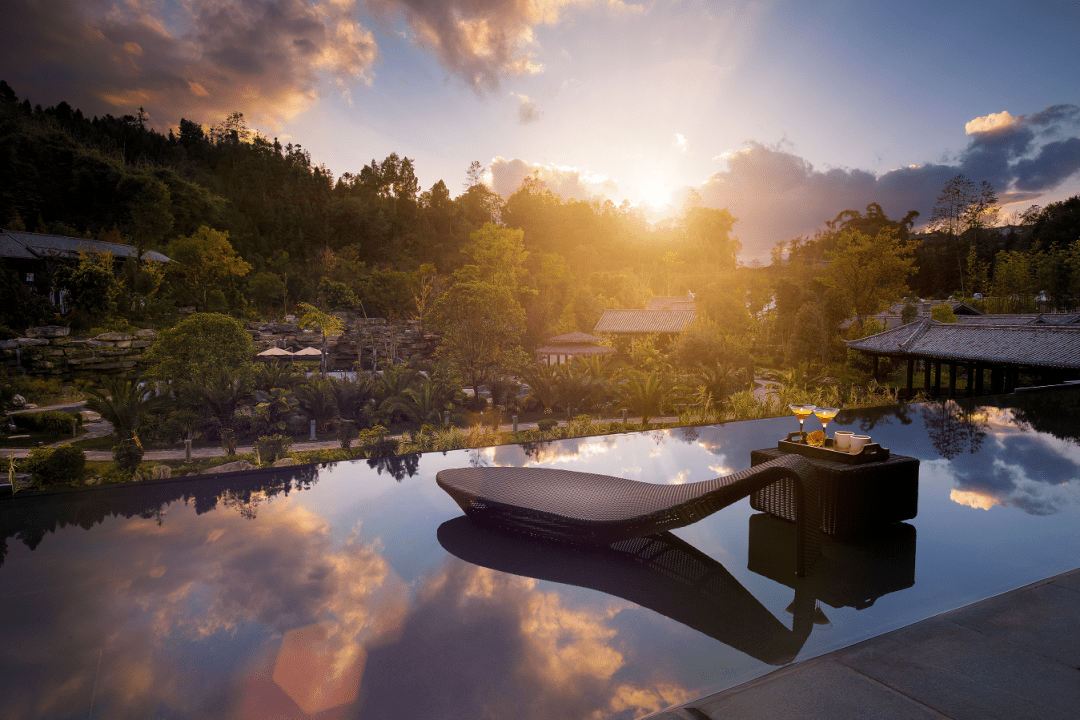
point(979, 379)
point(952, 379)
point(926, 376)
point(967, 385)
point(910, 376)
point(875, 375)
point(937, 378)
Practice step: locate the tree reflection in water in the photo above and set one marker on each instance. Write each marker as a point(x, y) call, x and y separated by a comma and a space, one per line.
point(242, 492)
point(1056, 413)
point(397, 466)
point(954, 427)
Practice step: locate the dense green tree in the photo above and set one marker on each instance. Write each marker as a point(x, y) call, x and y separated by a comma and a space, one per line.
point(201, 347)
point(482, 326)
point(871, 271)
point(201, 262)
point(708, 238)
point(265, 289)
point(943, 312)
point(327, 325)
point(91, 289)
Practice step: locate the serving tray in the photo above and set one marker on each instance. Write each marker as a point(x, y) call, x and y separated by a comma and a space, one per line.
point(871, 452)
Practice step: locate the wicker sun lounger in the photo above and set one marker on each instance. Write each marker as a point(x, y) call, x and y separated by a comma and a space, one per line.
point(585, 508)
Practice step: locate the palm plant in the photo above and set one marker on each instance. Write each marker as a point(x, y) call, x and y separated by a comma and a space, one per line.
point(276, 375)
point(391, 390)
point(123, 403)
point(428, 400)
point(543, 388)
point(645, 394)
point(219, 397)
point(317, 400)
point(576, 387)
point(274, 408)
point(352, 398)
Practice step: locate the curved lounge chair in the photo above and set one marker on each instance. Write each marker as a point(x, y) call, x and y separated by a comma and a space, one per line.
point(585, 508)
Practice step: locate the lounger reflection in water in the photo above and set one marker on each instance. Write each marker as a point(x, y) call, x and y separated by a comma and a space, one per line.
point(590, 509)
point(659, 572)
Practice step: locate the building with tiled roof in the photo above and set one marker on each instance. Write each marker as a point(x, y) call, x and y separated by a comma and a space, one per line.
point(644, 322)
point(564, 348)
point(1041, 348)
point(29, 254)
point(663, 302)
point(21, 245)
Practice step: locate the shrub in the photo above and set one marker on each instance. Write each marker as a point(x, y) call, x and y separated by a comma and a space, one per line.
point(53, 422)
point(546, 424)
point(346, 433)
point(63, 465)
point(128, 455)
point(27, 422)
point(228, 441)
point(60, 423)
point(272, 448)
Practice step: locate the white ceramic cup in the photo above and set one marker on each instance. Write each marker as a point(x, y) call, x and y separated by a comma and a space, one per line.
point(856, 443)
point(842, 440)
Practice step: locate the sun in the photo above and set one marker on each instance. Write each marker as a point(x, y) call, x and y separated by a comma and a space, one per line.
point(656, 191)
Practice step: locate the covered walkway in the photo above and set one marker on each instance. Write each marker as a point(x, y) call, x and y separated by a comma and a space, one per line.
point(988, 358)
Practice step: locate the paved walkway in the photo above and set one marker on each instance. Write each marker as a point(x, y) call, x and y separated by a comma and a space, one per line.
point(1011, 657)
point(100, 428)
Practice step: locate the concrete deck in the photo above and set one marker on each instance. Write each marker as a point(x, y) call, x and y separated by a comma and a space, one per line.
point(1013, 656)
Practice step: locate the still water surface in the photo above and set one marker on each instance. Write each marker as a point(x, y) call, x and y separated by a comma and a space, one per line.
point(356, 590)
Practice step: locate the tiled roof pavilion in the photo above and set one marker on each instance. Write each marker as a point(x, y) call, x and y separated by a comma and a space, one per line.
point(17, 244)
point(564, 348)
point(1051, 349)
point(644, 321)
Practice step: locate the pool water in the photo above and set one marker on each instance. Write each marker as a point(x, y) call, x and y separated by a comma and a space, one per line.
point(357, 590)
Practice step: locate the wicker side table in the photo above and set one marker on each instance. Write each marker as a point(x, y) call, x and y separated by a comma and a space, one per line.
point(855, 499)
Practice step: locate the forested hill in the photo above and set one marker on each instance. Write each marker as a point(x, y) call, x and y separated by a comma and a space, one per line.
point(256, 228)
point(65, 173)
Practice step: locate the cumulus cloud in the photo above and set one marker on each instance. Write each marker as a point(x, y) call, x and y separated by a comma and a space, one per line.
point(567, 182)
point(778, 195)
point(483, 42)
point(202, 579)
point(993, 121)
point(540, 655)
point(202, 60)
point(527, 110)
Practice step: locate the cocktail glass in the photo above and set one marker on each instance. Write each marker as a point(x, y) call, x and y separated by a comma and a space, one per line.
point(802, 412)
point(825, 415)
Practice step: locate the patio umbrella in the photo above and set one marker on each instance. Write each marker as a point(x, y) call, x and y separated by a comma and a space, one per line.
point(274, 352)
point(308, 352)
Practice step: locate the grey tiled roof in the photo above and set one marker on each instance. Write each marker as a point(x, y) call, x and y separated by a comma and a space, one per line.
point(1032, 344)
point(644, 321)
point(895, 321)
point(572, 338)
point(574, 350)
point(28, 245)
point(958, 307)
point(663, 302)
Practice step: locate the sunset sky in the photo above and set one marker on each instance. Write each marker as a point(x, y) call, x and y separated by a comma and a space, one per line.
point(785, 113)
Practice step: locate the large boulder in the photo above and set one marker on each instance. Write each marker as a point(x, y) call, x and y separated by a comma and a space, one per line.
point(238, 466)
point(48, 331)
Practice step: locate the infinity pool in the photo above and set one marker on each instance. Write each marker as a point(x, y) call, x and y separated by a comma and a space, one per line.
point(356, 590)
